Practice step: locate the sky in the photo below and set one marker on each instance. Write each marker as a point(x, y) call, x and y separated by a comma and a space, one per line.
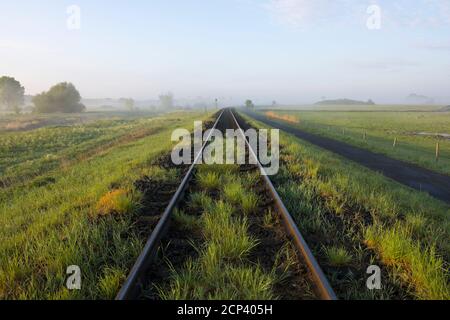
point(291, 51)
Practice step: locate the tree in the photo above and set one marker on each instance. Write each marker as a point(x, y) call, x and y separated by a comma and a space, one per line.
point(11, 94)
point(166, 100)
point(129, 103)
point(249, 104)
point(63, 97)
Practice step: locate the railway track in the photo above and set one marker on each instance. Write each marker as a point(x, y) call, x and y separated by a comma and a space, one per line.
point(272, 233)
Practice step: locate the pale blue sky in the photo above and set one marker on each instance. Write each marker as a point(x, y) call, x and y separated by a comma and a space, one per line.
point(293, 51)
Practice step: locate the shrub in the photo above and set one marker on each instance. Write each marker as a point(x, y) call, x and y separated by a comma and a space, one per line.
point(63, 97)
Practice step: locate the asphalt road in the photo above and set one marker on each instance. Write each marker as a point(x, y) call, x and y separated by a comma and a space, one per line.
point(435, 184)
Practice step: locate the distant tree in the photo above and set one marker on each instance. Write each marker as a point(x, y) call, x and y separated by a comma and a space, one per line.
point(166, 100)
point(370, 102)
point(63, 97)
point(274, 103)
point(128, 103)
point(17, 110)
point(249, 104)
point(11, 94)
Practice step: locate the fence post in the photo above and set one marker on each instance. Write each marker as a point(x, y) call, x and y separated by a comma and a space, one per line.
point(395, 142)
point(437, 151)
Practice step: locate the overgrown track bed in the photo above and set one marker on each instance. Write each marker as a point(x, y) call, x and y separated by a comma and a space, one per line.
point(226, 235)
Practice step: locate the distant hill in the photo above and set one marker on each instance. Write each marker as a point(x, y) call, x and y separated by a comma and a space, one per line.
point(414, 98)
point(344, 102)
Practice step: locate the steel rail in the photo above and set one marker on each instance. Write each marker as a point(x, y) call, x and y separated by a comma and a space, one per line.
point(325, 290)
point(130, 289)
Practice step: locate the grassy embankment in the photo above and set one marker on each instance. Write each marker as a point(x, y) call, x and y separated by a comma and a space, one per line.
point(353, 218)
point(83, 211)
point(377, 131)
point(27, 154)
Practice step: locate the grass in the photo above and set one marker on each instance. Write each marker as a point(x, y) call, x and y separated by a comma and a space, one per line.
point(337, 256)
point(209, 180)
point(120, 202)
point(338, 204)
point(200, 200)
point(222, 270)
point(46, 227)
point(233, 192)
point(28, 155)
point(249, 203)
point(111, 282)
point(419, 267)
point(227, 235)
point(381, 128)
point(184, 221)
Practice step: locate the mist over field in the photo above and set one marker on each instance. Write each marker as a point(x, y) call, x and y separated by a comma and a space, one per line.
point(291, 51)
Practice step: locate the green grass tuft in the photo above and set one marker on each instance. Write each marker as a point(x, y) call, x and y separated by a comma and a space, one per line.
point(420, 267)
point(337, 256)
point(249, 203)
point(185, 222)
point(208, 180)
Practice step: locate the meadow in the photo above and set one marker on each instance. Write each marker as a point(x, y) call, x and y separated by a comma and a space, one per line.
point(353, 218)
point(68, 197)
point(60, 139)
point(400, 133)
point(80, 210)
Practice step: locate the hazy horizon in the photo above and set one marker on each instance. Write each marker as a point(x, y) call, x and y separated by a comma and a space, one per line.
point(291, 51)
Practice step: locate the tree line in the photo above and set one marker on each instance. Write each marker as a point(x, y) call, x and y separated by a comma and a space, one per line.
point(63, 97)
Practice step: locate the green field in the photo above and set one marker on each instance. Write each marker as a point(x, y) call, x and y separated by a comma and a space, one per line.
point(26, 154)
point(68, 197)
point(414, 132)
point(353, 218)
point(77, 206)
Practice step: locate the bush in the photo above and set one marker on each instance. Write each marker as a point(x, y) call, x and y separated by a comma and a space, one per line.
point(63, 97)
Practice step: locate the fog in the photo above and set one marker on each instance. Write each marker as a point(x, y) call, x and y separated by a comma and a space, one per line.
point(290, 51)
